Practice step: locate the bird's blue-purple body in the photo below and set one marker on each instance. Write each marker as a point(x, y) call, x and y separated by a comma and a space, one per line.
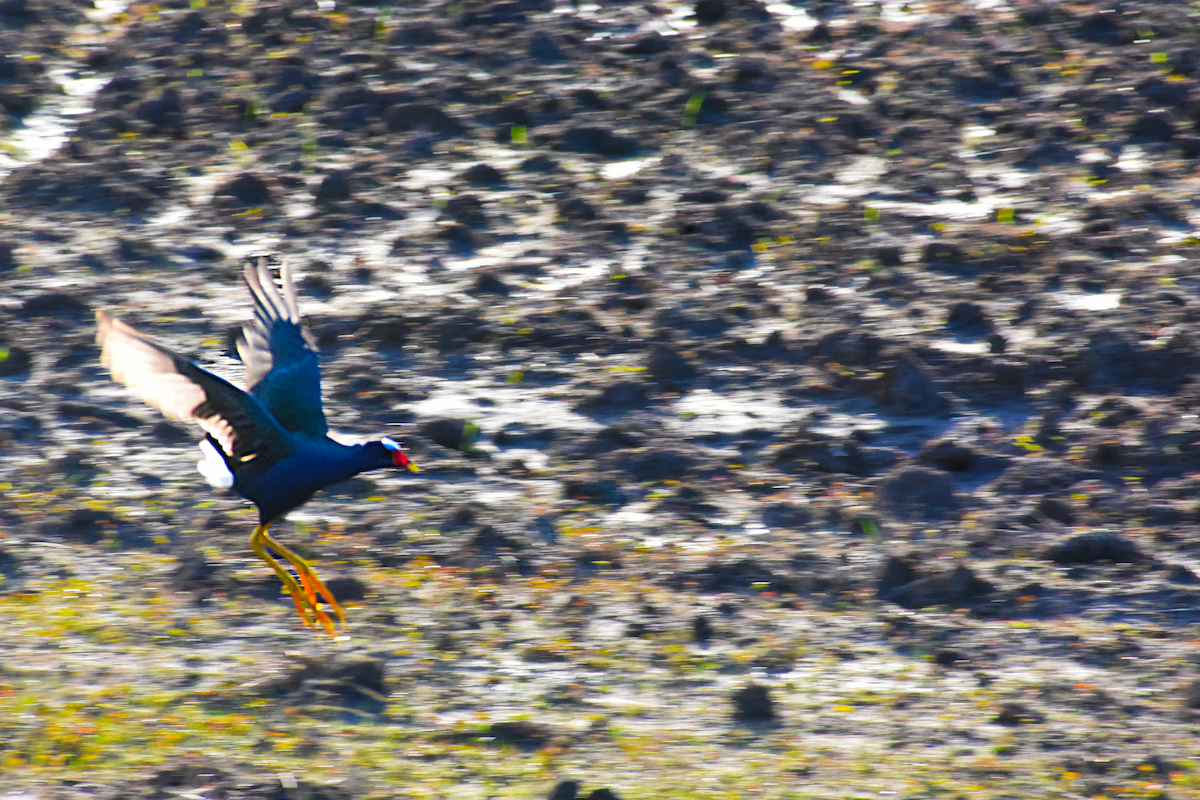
point(312, 465)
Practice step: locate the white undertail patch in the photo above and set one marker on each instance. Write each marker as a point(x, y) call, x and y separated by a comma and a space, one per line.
point(213, 468)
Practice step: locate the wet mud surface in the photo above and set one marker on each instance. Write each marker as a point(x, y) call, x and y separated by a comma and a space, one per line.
point(805, 397)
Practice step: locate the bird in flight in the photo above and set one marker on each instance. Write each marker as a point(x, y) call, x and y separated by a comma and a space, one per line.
point(270, 444)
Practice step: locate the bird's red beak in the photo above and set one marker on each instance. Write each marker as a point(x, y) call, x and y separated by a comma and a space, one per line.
point(399, 460)
point(403, 461)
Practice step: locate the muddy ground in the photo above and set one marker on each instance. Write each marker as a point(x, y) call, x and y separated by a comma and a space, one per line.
point(805, 397)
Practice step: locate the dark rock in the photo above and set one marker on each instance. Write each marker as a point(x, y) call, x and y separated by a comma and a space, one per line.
point(1056, 510)
point(521, 733)
point(956, 587)
point(913, 492)
point(889, 255)
point(621, 394)
point(18, 9)
point(850, 347)
point(594, 491)
point(948, 455)
point(189, 26)
point(1040, 476)
point(710, 11)
point(459, 235)
point(418, 116)
point(519, 434)
point(576, 209)
point(356, 682)
point(454, 434)
point(539, 163)
point(753, 703)
point(389, 330)
point(167, 431)
point(69, 409)
point(607, 440)
point(316, 285)
point(742, 575)
point(817, 294)
point(488, 283)
point(667, 364)
point(702, 629)
point(543, 48)
point(603, 793)
point(659, 465)
point(1178, 573)
point(466, 209)
point(201, 252)
point(601, 141)
point(334, 186)
point(247, 188)
point(897, 572)
point(908, 387)
point(564, 790)
point(506, 12)
point(1153, 126)
point(752, 74)
point(460, 330)
point(135, 250)
point(651, 44)
point(968, 318)
point(1089, 548)
point(193, 572)
point(14, 360)
point(703, 196)
point(164, 112)
point(489, 539)
point(942, 253)
point(808, 451)
point(1191, 695)
point(786, 515)
point(347, 589)
point(416, 33)
point(1013, 714)
point(87, 526)
point(949, 658)
point(8, 258)
point(292, 101)
point(53, 303)
point(483, 175)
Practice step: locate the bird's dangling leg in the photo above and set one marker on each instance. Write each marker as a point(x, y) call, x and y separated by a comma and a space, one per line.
point(258, 542)
point(306, 598)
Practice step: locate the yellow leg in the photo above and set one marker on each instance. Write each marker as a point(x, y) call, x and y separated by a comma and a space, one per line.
point(304, 593)
point(312, 584)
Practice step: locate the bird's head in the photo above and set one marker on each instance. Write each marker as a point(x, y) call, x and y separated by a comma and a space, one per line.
point(396, 453)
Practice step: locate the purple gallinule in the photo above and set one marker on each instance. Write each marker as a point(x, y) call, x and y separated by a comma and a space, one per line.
point(269, 444)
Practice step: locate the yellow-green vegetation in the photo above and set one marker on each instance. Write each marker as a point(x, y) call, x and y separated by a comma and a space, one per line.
point(111, 676)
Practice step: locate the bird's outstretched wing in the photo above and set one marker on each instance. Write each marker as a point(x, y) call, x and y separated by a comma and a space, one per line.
point(280, 355)
point(236, 421)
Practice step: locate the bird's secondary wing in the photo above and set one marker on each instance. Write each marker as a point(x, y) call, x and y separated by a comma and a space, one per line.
point(280, 355)
point(238, 422)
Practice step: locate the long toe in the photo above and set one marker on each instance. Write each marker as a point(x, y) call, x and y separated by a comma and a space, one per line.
point(313, 588)
point(308, 609)
point(313, 584)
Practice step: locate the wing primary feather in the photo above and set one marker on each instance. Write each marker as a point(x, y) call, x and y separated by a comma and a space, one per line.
point(269, 294)
point(289, 291)
point(279, 353)
point(185, 392)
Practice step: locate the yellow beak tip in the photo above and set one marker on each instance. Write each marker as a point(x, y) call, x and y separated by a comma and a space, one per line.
point(413, 467)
